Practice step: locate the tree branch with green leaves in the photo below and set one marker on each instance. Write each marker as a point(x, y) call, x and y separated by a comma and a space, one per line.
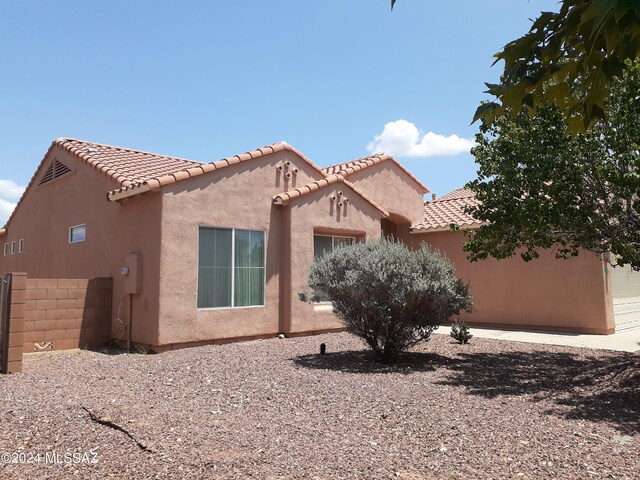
point(541, 189)
point(568, 59)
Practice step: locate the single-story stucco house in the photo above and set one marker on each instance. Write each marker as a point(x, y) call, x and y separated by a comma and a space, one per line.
point(584, 294)
point(201, 252)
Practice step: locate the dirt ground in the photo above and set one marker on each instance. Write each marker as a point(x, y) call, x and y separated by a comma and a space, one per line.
point(278, 409)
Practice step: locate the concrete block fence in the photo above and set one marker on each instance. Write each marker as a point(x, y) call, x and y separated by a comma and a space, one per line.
point(57, 314)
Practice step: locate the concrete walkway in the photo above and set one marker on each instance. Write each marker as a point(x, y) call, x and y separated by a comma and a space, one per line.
point(626, 341)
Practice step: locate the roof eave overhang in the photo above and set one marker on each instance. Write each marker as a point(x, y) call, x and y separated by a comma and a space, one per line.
point(118, 195)
point(471, 226)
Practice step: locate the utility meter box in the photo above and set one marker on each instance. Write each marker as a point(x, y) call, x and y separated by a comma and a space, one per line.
point(132, 273)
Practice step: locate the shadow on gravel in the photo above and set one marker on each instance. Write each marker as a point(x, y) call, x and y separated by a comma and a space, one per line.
point(604, 389)
point(115, 349)
point(364, 361)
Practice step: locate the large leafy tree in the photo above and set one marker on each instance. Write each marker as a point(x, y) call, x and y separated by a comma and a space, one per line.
point(568, 58)
point(539, 188)
point(584, 44)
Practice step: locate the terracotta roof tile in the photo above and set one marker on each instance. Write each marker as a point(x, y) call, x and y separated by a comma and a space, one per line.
point(137, 171)
point(160, 181)
point(124, 165)
point(449, 209)
point(285, 197)
point(352, 166)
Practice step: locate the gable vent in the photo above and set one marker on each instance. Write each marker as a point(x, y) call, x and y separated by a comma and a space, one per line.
point(55, 170)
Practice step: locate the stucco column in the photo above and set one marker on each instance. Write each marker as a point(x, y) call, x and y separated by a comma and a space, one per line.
point(284, 323)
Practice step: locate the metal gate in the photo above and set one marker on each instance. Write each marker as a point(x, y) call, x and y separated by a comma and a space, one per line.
point(5, 315)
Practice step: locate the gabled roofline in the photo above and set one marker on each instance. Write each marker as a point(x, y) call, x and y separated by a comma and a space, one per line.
point(159, 182)
point(366, 162)
point(65, 143)
point(33, 178)
point(285, 198)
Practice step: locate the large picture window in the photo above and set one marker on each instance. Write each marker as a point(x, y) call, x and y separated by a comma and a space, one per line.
point(230, 268)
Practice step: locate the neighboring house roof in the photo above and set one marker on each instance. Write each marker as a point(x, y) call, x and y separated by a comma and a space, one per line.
point(352, 166)
point(285, 197)
point(440, 214)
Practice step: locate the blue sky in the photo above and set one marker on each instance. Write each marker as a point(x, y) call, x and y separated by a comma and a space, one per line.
point(209, 79)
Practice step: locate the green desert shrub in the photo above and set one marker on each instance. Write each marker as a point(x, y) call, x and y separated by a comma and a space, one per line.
point(390, 296)
point(460, 331)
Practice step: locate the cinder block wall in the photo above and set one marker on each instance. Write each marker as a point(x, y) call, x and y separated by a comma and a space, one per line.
point(60, 313)
point(16, 323)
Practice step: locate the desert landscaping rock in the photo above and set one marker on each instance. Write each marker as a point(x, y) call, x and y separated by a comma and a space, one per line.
point(278, 409)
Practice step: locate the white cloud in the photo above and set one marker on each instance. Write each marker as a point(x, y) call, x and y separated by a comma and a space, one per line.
point(403, 139)
point(9, 190)
point(5, 210)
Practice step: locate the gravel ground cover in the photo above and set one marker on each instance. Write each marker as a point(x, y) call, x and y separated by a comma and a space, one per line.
point(277, 409)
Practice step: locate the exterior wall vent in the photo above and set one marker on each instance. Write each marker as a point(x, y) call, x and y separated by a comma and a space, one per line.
point(55, 170)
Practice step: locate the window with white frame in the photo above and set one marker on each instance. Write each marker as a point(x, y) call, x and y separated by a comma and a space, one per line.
point(6, 249)
point(21, 245)
point(78, 233)
point(231, 268)
point(13, 247)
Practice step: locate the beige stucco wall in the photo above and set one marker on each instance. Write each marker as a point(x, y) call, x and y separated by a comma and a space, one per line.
point(43, 219)
point(316, 213)
point(546, 293)
point(391, 187)
point(239, 196)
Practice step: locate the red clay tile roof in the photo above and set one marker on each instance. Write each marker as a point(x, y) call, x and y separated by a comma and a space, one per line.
point(441, 213)
point(124, 165)
point(200, 168)
point(347, 168)
point(137, 171)
point(285, 197)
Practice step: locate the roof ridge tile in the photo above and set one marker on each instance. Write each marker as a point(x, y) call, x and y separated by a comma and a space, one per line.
point(280, 199)
point(144, 186)
point(358, 164)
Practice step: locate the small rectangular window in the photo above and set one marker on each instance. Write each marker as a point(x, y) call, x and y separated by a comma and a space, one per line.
point(324, 244)
point(21, 245)
point(6, 249)
point(78, 234)
point(13, 247)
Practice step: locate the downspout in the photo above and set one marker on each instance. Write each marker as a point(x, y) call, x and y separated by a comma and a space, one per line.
point(129, 328)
